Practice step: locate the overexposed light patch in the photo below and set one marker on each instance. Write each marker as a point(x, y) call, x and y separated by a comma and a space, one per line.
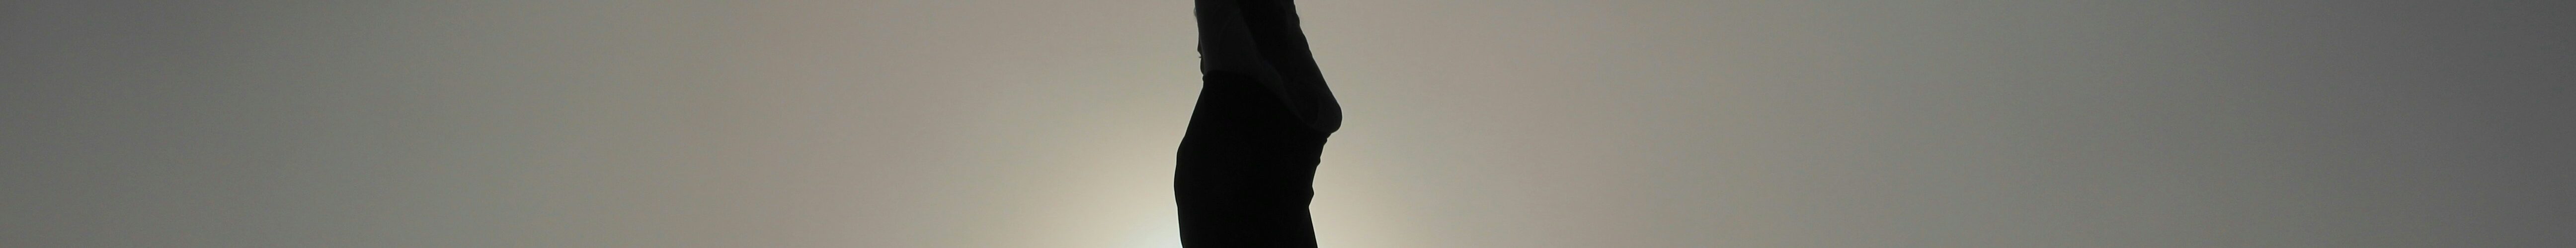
point(1162, 233)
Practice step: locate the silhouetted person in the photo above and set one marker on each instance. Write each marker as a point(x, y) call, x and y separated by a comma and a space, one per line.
point(1247, 163)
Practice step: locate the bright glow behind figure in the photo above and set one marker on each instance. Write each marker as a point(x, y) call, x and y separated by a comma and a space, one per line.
point(1475, 123)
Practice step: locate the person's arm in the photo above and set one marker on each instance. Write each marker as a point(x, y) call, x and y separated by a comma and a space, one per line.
point(1261, 39)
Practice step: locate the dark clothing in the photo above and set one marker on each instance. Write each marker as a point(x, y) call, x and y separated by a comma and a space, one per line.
point(1260, 39)
point(1247, 164)
point(1247, 169)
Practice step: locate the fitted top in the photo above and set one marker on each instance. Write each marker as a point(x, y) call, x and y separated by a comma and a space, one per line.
point(1228, 30)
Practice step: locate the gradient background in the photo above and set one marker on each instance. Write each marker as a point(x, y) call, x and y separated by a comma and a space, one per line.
point(1472, 123)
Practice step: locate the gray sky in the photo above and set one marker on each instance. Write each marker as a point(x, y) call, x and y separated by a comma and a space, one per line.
point(1486, 123)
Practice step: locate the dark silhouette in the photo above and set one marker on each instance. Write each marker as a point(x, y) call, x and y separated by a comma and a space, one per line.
point(1247, 164)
